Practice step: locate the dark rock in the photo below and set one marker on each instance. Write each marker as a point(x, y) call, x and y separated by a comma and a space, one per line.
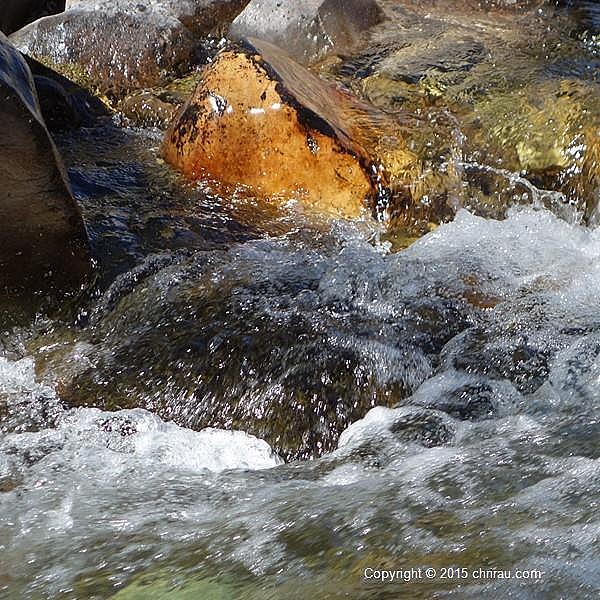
point(425, 427)
point(17, 13)
point(118, 46)
point(469, 402)
point(237, 352)
point(157, 107)
point(443, 55)
point(307, 29)
point(64, 104)
point(44, 243)
point(56, 107)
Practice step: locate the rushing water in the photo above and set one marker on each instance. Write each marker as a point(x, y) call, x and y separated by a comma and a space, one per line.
point(491, 462)
point(257, 403)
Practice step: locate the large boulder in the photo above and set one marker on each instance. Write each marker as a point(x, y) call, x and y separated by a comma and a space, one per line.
point(17, 13)
point(199, 16)
point(117, 46)
point(44, 253)
point(261, 120)
point(307, 29)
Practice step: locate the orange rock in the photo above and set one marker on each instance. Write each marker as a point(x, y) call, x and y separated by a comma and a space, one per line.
point(260, 120)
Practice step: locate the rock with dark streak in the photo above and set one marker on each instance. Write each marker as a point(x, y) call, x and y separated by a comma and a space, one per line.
point(259, 119)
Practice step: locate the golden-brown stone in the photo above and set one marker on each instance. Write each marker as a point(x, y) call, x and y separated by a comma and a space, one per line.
point(260, 120)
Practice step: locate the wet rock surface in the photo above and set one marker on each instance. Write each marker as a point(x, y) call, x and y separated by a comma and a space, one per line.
point(286, 356)
point(117, 46)
point(308, 29)
point(260, 120)
point(149, 109)
point(44, 242)
point(524, 98)
point(157, 107)
point(199, 16)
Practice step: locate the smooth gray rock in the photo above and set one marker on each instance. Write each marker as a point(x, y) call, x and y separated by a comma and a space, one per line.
point(43, 242)
point(307, 29)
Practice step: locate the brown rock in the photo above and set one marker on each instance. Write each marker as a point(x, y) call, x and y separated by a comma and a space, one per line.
point(146, 109)
point(44, 254)
point(259, 119)
point(114, 47)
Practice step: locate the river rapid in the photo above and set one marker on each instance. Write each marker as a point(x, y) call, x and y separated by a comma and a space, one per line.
point(489, 328)
point(256, 402)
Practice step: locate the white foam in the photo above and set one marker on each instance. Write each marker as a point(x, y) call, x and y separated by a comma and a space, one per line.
point(146, 437)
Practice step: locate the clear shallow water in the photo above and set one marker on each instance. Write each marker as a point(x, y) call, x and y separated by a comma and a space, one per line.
point(489, 460)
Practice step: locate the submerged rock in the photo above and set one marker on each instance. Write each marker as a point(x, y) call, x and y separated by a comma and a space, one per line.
point(519, 80)
point(147, 109)
point(17, 13)
point(308, 29)
point(263, 338)
point(261, 120)
point(157, 107)
point(43, 239)
point(549, 131)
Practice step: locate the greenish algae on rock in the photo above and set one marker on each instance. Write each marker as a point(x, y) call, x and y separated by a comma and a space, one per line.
point(520, 83)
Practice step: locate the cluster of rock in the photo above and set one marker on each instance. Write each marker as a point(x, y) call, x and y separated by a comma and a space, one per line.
point(307, 149)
